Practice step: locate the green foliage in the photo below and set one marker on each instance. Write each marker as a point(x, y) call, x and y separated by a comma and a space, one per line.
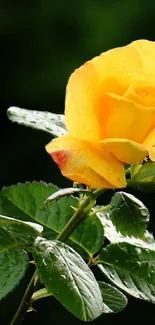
point(68, 278)
point(115, 236)
point(14, 235)
point(131, 268)
point(128, 262)
point(114, 300)
point(27, 202)
point(144, 179)
point(128, 214)
point(13, 264)
point(67, 191)
point(17, 231)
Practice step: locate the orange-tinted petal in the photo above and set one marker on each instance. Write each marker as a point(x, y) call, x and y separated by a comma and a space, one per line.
point(87, 163)
point(125, 150)
point(125, 119)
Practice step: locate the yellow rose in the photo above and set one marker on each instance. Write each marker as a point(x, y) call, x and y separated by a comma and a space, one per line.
point(110, 116)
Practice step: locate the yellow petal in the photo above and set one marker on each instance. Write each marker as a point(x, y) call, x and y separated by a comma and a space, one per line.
point(87, 163)
point(142, 93)
point(125, 150)
point(152, 153)
point(90, 81)
point(150, 139)
point(81, 91)
point(150, 142)
point(125, 119)
point(146, 51)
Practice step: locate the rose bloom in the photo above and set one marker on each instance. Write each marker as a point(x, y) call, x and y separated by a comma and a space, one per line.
point(109, 115)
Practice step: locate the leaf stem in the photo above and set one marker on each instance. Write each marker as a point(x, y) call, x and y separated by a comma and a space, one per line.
point(102, 209)
point(79, 215)
point(25, 303)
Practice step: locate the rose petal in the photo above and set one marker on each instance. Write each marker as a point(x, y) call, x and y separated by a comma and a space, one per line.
point(125, 150)
point(142, 93)
point(81, 90)
point(150, 142)
point(146, 51)
point(125, 119)
point(150, 139)
point(87, 163)
point(87, 83)
point(152, 153)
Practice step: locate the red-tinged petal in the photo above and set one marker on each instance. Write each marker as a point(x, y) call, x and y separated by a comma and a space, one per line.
point(125, 150)
point(87, 163)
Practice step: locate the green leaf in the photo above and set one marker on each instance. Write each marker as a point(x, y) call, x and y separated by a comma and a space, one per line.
point(134, 169)
point(144, 179)
point(18, 231)
point(43, 121)
point(13, 265)
point(115, 236)
point(114, 300)
point(65, 192)
point(128, 214)
point(68, 278)
point(89, 235)
point(26, 202)
point(131, 268)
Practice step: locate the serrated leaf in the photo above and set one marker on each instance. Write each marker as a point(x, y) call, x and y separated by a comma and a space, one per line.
point(114, 300)
point(68, 278)
point(30, 197)
point(43, 121)
point(13, 265)
point(18, 231)
point(26, 201)
point(51, 235)
point(131, 268)
point(144, 179)
point(89, 235)
point(129, 215)
point(115, 236)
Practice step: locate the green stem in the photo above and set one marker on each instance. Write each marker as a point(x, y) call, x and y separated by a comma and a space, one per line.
point(80, 214)
point(25, 303)
point(102, 209)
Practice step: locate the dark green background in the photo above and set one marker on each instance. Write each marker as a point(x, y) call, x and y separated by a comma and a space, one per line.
point(42, 42)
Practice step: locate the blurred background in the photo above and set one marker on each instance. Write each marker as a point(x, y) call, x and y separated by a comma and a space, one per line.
point(42, 42)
